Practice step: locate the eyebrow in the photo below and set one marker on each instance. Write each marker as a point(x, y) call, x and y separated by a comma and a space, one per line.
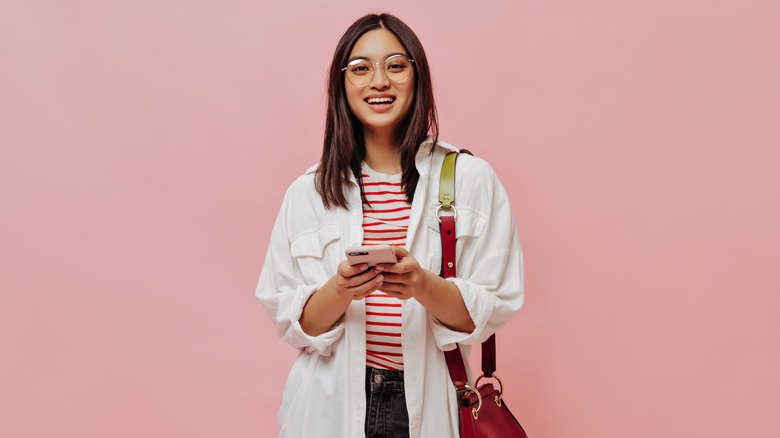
point(366, 58)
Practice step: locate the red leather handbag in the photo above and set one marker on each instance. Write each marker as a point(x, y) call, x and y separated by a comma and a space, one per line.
point(483, 411)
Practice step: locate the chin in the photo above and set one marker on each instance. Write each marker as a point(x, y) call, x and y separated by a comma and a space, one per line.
point(380, 126)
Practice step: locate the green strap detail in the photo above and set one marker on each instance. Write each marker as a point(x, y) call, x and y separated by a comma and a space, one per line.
point(447, 181)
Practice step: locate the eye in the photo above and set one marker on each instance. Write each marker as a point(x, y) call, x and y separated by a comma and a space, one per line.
point(396, 64)
point(360, 69)
point(396, 67)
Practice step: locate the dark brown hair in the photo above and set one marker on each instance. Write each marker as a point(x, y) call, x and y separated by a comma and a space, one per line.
point(343, 148)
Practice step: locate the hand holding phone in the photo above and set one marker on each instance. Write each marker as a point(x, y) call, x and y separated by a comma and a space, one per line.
point(370, 254)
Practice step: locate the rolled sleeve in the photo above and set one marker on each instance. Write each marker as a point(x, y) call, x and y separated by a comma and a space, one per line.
point(284, 289)
point(287, 316)
point(479, 307)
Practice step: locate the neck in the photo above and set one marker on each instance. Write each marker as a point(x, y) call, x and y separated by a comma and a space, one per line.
point(382, 152)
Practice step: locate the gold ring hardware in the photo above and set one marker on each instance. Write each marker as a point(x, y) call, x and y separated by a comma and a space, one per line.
point(475, 412)
point(438, 212)
point(500, 388)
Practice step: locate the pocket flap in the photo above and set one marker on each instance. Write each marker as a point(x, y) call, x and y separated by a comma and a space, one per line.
point(313, 243)
point(470, 223)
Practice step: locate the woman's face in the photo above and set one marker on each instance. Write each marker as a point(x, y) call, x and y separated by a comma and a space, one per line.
point(379, 115)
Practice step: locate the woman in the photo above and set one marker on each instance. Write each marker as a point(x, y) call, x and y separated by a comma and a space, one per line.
point(371, 339)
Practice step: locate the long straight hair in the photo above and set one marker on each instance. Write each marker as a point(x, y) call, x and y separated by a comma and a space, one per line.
point(344, 148)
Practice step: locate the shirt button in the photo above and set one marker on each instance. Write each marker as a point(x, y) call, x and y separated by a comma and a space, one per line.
point(378, 378)
point(414, 378)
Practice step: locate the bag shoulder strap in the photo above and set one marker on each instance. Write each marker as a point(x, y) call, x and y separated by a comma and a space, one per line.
point(454, 358)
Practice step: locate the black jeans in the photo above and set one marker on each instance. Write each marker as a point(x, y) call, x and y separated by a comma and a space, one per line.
point(386, 415)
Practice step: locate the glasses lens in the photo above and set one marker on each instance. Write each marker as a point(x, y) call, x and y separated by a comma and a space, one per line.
point(398, 68)
point(359, 72)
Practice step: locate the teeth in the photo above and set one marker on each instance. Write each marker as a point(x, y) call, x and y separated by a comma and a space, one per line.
point(380, 99)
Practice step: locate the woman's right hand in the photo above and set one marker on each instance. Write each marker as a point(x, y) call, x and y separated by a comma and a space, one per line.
point(354, 282)
point(326, 306)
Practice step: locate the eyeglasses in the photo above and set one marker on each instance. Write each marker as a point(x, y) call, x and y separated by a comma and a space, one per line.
point(397, 69)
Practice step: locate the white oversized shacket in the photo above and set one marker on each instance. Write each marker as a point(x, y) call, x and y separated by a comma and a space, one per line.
point(325, 392)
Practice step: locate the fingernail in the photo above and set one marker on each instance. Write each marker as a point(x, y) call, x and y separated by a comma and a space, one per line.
point(363, 267)
point(379, 278)
point(379, 269)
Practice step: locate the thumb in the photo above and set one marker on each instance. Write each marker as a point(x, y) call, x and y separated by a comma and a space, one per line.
point(400, 252)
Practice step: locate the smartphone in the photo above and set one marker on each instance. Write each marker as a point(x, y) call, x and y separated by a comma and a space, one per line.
point(371, 254)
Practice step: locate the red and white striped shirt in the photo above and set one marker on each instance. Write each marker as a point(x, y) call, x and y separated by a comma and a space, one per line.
point(385, 221)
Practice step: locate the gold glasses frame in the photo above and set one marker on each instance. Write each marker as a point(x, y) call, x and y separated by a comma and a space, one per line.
point(373, 69)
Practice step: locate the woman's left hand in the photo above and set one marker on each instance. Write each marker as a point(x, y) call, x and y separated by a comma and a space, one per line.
point(404, 279)
point(407, 279)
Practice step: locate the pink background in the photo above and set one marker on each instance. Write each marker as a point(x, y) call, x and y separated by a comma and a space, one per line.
point(146, 145)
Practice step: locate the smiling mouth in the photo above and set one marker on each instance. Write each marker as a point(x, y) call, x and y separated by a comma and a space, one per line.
point(380, 100)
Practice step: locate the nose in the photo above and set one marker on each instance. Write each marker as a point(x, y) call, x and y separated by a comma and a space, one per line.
point(379, 79)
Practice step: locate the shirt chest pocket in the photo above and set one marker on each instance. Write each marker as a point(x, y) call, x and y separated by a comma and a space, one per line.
point(317, 253)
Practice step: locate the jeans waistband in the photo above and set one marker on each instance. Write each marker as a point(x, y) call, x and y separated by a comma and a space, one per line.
point(377, 378)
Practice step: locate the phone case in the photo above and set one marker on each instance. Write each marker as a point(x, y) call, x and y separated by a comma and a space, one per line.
point(371, 254)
